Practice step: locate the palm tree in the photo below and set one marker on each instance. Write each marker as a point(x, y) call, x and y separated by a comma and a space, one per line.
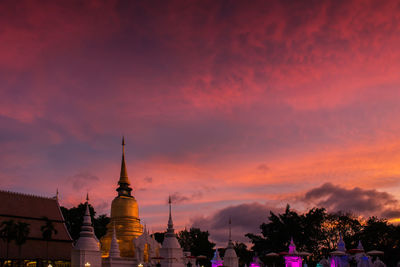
point(22, 232)
point(47, 231)
point(8, 233)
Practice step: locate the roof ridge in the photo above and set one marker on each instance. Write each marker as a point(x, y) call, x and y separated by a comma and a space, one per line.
point(25, 194)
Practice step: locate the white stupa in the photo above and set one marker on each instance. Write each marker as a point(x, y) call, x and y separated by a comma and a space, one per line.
point(171, 251)
point(86, 252)
point(230, 257)
point(360, 246)
point(114, 247)
point(216, 260)
point(341, 245)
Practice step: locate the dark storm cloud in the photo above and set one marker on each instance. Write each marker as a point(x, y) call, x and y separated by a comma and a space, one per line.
point(245, 218)
point(366, 202)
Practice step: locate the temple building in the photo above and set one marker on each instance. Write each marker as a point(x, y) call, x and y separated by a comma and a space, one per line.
point(147, 249)
point(230, 257)
point(292, 259)
point(171, 251)
point(39, 216)
point(126, 243)
point(86, 252)
point(124, 216)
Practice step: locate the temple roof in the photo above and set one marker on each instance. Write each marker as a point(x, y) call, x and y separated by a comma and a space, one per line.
point(34, 210)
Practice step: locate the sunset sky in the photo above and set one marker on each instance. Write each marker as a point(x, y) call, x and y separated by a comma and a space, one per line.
point(234, 108)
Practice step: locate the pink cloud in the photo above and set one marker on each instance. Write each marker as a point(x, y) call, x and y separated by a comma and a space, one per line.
point(205, 93)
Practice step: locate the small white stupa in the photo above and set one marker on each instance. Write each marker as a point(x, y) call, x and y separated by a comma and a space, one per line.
point(216, 260)
point(114, 258)
point(360, 246)
point(341, 245)
point(86, 252)
point(171, 251)
point(114, 247)
point(339, 257)
point(230, 257)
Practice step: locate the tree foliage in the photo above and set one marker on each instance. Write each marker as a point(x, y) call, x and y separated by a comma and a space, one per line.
point(159, 237)
point(22, 231)
point(245, 256)
point(74, 218)
point(317, 232)
point(8, 233)
point(14, 231)
point(196, 241)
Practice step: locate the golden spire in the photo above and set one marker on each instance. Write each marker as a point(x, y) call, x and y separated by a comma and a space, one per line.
point(124, 189)
point(124, 173)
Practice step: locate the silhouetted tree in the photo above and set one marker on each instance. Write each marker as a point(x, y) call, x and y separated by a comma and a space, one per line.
point(379, 234)
point(196, 241)
point(21, 235)
point(47, 232)
point(159, 237)
point(245, 256)
point(100, 225)
point(8, 233)
point(317, 231)
point(74, 218)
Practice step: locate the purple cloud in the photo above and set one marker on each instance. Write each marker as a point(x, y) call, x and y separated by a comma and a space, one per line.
point(366, 202)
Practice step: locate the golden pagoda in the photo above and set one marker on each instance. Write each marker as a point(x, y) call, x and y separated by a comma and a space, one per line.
point(124, 215)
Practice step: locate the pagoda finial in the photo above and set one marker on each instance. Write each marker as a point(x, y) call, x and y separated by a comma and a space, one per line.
point(86, 218)
point(170, 229)
point(123, 182)
point(57, 194)
point(170, 223)
point(230, 232)
point(124, 173)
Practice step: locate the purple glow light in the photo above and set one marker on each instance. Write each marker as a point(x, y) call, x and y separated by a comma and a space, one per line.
point(293, 261)
point(216, 264)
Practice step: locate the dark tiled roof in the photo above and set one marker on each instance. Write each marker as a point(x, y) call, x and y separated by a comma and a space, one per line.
point(17, 204)
point(32, 210)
